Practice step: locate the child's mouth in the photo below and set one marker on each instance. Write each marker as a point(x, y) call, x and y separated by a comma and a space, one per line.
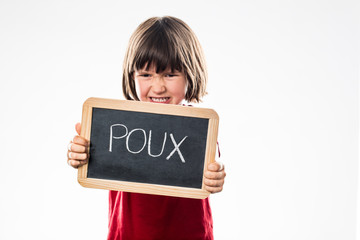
point(160, 99)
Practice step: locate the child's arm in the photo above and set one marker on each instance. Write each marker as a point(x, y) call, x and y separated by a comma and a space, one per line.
point(214, 177)
point(77, 150)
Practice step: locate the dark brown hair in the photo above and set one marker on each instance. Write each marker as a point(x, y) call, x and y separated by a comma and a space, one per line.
point(165, 42)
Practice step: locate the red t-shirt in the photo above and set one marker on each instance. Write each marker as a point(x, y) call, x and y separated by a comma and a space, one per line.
point(142, 216)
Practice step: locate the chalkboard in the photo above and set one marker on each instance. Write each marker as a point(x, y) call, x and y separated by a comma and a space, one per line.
point(148, 147)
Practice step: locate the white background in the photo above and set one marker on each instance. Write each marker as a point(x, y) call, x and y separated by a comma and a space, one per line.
point(283, 78)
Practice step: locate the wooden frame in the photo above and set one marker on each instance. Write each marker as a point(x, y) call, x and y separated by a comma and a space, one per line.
point(167, 109)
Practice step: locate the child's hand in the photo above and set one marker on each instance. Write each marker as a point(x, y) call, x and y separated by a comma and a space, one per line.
point(77, 150)
point(214, 177)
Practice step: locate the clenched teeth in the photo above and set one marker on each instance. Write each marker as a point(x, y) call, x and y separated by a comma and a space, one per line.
point(164, 99)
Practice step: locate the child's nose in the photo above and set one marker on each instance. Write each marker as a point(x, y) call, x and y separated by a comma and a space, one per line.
point(158, 85)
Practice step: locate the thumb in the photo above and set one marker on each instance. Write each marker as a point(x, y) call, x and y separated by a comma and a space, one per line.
point(78, 128)
point(216, 166)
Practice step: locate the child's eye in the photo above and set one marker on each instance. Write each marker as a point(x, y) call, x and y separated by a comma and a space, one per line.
point(170, 75)
point(145, 75)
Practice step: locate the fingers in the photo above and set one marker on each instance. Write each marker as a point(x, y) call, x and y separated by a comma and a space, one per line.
point(80, 141)
point(213, 189)
point(214, 185)
point(214, 177)
point(73, 147)
point(75, 163)
point(214, 182)
point(77, 154)
point(76, 160)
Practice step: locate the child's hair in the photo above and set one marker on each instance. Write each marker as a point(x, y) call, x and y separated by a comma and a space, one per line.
point(165, 42)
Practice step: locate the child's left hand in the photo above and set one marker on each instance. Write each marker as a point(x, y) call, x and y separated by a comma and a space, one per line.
point(214, 177)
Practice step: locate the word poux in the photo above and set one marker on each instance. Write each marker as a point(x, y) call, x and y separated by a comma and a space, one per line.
point(128, 134)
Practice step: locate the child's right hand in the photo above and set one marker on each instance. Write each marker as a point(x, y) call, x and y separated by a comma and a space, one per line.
point(77, 154)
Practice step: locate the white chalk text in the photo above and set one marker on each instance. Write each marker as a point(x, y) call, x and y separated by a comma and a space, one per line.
point(147, 140)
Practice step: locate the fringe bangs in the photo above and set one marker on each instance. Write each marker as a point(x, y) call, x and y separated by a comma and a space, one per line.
point(157, 49)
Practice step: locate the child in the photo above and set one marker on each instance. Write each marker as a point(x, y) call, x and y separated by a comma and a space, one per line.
point(164, 63)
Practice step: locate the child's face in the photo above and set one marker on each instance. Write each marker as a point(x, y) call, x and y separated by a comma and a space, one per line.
point(165, 87)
